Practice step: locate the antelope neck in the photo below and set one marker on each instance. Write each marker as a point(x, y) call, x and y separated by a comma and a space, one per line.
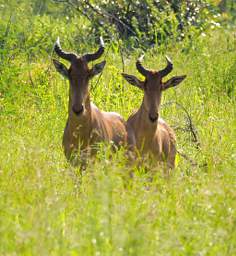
point(145, 123)
point(85, 116)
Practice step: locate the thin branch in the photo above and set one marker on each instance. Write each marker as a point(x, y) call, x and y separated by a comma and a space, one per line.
point(192, 162)
point(191, 127)
point(107, 15)
point(74, 6)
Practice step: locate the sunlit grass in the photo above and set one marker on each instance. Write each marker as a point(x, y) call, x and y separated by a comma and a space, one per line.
point(48, 208)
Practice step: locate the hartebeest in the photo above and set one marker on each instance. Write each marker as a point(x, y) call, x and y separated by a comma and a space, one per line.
point(86, 124)
point(152, 134)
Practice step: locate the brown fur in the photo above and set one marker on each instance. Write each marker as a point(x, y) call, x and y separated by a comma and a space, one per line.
point(152, 134)
point(91, 127)
point(86, 124)
point(157, 139)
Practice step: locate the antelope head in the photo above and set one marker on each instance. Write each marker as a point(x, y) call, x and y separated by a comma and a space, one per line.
point(153, 86)
point(78, 73)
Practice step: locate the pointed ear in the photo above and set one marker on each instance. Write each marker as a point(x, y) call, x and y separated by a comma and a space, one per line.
point(97, 68)
point(133, 80)
point(61, 68)
point(174, 81)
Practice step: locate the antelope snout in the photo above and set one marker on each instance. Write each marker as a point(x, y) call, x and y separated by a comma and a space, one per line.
point(78, 110)
point(153, 117)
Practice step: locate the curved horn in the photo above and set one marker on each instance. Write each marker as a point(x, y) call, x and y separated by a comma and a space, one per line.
point(93, 56)
point(140, 67)
point(64, 55)
point(168, 68)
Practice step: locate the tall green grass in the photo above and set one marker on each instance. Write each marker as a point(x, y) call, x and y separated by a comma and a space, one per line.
point(48, 208)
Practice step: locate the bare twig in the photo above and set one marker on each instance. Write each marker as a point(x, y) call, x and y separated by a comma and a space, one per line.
point(192, 162)
point(191, 127)
point(74, 6)
point(107, 15)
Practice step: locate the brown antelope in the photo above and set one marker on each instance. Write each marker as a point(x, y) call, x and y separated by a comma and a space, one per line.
point(152, 134)
point(86, 124)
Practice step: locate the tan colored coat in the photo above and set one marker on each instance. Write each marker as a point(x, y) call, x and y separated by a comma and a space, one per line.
point(156, 139)
point(86, 124)
point(92, 127)
point(151, 133)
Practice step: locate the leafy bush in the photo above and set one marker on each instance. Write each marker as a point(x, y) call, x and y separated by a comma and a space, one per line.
point(145, 21)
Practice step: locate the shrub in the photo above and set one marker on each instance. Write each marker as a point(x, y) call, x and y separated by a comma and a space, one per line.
point(145, 21)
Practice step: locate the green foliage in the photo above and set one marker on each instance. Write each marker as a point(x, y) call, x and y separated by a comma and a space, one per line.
point(48, 208)
point(147, 22)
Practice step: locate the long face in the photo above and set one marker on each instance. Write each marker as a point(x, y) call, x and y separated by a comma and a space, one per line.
point(78, 75)
point(153, 86)
point(152, 95)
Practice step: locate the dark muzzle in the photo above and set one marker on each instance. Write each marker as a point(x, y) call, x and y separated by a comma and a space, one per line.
point(153, 119)
point(78, 112)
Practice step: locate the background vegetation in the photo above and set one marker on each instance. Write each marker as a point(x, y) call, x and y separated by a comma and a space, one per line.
point(46, 206)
